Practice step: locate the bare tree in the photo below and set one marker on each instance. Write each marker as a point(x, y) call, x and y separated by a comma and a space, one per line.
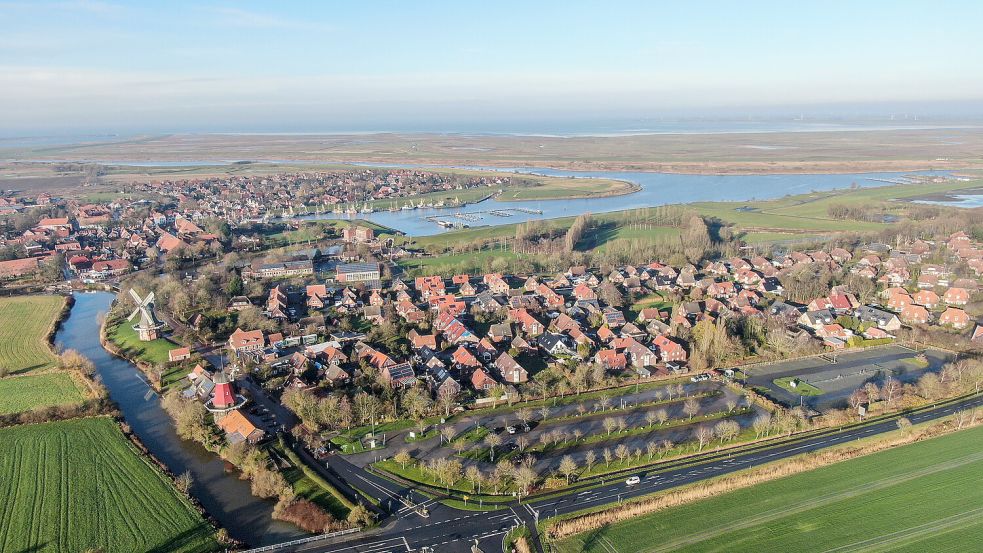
point(662, 416)
point(691, 407)
point(567, 467)
point(589, 459)
point(727, 430)
point(184, 482)
point(609, 424)
point(607, 456)
point(731, 404)
point(665, 447)
point(403, 458)
point(891, 391)
point(622, 452)
point(703, 435)
point(650, 418)
point(873, 392)
point(904, 425)
point(473, 474)
point(761, 425)
point(522, 442)
point(524, 414)
point(492, 440)
point(525, 477)
point(447, 433)
point(651, 449)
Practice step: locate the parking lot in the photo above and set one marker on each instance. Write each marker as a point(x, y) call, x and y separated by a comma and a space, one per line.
point(850, 370)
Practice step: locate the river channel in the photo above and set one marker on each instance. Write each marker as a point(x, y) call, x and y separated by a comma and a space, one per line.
point(222, 493)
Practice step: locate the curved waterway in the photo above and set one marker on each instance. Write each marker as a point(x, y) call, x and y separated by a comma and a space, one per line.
point(223, 494)
point(655, 189)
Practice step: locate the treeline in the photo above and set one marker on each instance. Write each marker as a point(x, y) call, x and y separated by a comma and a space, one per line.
point(855, 213)
point(576, 231)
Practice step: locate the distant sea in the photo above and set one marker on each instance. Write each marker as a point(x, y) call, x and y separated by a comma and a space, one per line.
point(528, 128)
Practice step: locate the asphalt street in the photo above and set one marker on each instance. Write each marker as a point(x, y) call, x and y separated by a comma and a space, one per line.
point(450, 530)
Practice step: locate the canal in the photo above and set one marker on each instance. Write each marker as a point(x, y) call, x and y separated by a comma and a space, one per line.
point(221, 492)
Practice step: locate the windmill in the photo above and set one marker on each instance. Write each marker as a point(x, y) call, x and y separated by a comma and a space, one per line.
point(148, 326)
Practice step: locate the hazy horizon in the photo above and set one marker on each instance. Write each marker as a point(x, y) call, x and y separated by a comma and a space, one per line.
point(86, 66)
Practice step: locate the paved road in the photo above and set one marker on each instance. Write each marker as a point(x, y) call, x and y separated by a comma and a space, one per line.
point(451, 530)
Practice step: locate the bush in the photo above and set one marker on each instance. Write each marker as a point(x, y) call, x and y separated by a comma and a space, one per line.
point(306, 515)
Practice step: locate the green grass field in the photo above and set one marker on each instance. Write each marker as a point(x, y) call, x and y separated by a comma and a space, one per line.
point(920, 497)
point(154, 352)
point(22, 393)
point(802, 388)
point(24, 325)
point(77, 485)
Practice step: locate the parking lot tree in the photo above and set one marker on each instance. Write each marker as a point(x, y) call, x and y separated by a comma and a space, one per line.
point(502, 474)
point(577, 434)
point(447, 434)
point(731, 404)
point(703, 436)
point(650, 418)
point(661, 415)
point(691, 407)
point(524, 414)
point(609, 425)
point(589, 459)
point(522, 442)
point(622, 452)
point(651, 449)
point(568, 467)
point(492, 440)
point(459, 445)
point(544, 413)
point(525, 477)
point(473, 474)
point(607, 456)
point(403, 457)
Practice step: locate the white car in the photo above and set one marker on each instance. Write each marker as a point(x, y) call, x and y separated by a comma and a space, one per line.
point(633, 480)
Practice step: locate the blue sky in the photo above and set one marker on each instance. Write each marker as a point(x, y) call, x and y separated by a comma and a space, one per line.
point(202, 66)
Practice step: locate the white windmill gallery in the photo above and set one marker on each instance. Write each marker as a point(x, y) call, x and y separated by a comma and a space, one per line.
point(149, 326)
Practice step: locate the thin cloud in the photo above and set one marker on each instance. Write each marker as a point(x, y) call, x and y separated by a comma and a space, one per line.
point(237, 17)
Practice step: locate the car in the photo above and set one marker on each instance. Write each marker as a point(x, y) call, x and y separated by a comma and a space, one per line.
point(511, 429)
point(633, 480)
point(700, 377)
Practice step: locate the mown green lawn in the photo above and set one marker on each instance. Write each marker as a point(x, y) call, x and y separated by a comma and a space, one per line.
point(154, 352)
point(920, 497)
point(801, 388)
point(79, 485)
point(22, 393)
point(24, 325)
